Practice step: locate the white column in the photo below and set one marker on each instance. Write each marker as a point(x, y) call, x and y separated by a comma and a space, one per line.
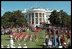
point(34, 20)
point(28, 17)
point(45, 18)
point(31, 18)
point(48, 20)
point(25, 16)
point(42, 17)
point(38, 18)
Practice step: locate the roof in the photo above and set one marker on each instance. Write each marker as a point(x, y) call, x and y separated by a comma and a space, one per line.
point(37, 9)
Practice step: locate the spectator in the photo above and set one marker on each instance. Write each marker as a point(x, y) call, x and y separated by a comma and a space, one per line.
point(2, 31)
point(68, 42)
point(31, 37)
point(46, 41)
point(27, 29)
point(6, 31)
point(50, 43)
point(57, 41)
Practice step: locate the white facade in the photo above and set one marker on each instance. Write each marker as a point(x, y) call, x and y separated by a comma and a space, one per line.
point(35, 16)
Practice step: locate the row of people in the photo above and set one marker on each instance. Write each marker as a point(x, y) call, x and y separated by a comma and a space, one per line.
point(19, 46)
point(9, 30)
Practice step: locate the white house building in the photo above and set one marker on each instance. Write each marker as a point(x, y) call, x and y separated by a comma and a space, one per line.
point(36, 16)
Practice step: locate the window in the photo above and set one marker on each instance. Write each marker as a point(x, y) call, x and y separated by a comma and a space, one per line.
point(43, 14)
point(36, 14)
point(36, 20)
point(29, 15)
point(40, 15)
point(26, 16)
point(32, 18)
point(40, 19)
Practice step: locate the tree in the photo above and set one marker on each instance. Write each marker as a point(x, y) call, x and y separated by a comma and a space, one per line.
point(60, 18)
point(13, 18)
point(5, 18)
point(67, 22)
point(18, 18)
point(54, 19)
point(65, 18)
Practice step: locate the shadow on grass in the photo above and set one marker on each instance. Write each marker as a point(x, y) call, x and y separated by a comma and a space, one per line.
point(7, 39)
point(39, 44)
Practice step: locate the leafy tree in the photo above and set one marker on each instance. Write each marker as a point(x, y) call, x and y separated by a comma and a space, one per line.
point(65, 18)
point(60, 18)
point(5, 18)
point(13, 18)
point(54, 19)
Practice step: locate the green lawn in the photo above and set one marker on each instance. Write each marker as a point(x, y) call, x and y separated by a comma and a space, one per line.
point(30, 44)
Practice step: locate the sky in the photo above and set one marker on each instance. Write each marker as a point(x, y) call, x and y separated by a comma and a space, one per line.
point(21, 5)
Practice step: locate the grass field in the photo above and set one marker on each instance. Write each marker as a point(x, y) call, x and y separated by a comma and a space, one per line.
point(31, 44)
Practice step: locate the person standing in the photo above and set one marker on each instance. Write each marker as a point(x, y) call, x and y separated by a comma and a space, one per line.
point(11, 41)
point(31, 37)
point(55, 39)
point(2, 31)
point(49, 44)
point(46, 40)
